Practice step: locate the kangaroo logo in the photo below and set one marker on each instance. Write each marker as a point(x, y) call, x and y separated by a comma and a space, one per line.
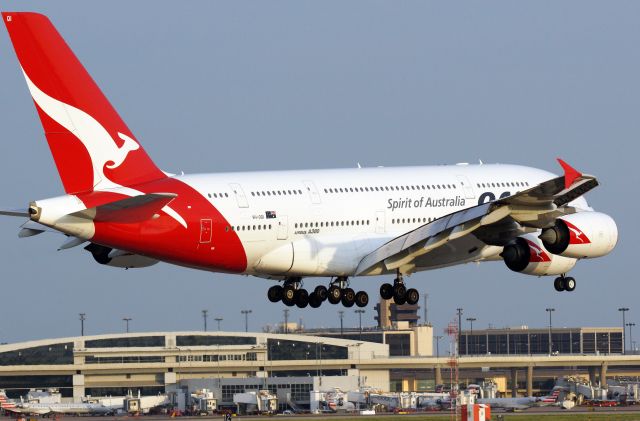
point(102, 149)
point(537, 253)
point(576, 236)
point(100, 145)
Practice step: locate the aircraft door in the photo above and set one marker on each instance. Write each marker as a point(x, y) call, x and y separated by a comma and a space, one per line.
point(239, 194)
point(205, 231)
point(467, 187)
point(313, 192)
point(283, 227)
point(380, 222)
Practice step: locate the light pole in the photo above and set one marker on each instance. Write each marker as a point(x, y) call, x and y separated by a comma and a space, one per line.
point(426, 297)
point(126, 321)
point(246, 319)
point(631, 324)
point(470, 320)
point(459, 310)
point(204, 317)
point(286, 320)
point(360, 313)
point(83, 317)
point(550, 310)
point(341, 315)
point(438, 337)
point(218, 319)
point(624, 337)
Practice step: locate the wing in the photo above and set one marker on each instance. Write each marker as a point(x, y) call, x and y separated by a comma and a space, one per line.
point(493, 223)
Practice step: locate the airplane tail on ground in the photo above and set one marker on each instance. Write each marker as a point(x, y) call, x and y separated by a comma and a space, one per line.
point(6, 403)
point(92, 147)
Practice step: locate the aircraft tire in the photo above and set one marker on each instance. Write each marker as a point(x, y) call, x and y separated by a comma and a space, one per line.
point(386, 291)
point(362, 299)
point(558, 284)
point(289, 295)
point(335, 294)
point(314, 300)
point(348, 297)
point(275, 293)
point(412, 296)
point(569, 284)
point(321, 292)
point(302, 298)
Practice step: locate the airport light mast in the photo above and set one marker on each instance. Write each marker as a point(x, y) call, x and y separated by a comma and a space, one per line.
point(83, 317)
point(126, 321)
point(624, 337)
point(630, 324)
point(286, 320)
point(438, 337)
point(470, 320)
point(246, 319)
point(204, 316)
point(459, 310)
point(341, 315)
point(360, 313)
point(550, 310)
point(218, 319)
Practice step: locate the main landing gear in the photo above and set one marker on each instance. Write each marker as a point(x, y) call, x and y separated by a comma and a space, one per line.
point(563, 283)
point(292, 293)
point(399, 292)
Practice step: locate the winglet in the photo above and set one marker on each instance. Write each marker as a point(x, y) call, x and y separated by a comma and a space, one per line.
point(570, 173)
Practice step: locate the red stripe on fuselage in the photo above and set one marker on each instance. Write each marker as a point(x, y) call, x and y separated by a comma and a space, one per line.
point(166, 239)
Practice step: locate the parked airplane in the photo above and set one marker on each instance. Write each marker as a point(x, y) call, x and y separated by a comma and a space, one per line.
point(62, 408)
point(289, 225)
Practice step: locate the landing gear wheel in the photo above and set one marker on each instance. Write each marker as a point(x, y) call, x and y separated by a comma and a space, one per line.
point(399, 290)
point(321, 292)
point(386, 291)
point(275, 293)
point(569, 284)
point(400, 299)
point(559, 284)
point(302, 298)
point(362, 299)
point(314, 300)
point(334, 294)
point(289, 295)
point(412, 296)
point(348, 297)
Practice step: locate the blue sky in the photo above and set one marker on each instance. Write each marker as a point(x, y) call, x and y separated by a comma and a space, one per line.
point(234, 85)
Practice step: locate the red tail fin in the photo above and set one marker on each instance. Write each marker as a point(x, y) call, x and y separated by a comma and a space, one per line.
point(91, 145)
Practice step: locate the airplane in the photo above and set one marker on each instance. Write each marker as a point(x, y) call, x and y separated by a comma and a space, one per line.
point(62, 408)
point(289, 226)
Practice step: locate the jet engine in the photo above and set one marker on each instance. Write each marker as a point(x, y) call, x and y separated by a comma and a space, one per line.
point(527, 255)
point(581, 235)
point(118, 258)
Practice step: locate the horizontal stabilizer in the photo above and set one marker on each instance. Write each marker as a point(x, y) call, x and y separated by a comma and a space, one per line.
point(129, 210)
point(71, 242)
point(14, 212)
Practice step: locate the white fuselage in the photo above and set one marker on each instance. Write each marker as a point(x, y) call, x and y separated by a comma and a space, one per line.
point(323, 222)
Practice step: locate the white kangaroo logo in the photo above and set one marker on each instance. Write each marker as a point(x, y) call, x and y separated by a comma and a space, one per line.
point(96, 139)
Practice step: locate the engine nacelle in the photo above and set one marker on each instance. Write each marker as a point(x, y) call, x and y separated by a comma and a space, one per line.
point(581, 235)
point(526, 254)
point(118, 258)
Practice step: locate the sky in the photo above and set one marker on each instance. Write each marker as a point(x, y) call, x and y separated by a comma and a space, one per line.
point(219, 86)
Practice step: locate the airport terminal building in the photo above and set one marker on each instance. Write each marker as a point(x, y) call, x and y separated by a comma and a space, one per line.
point(397, 359)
